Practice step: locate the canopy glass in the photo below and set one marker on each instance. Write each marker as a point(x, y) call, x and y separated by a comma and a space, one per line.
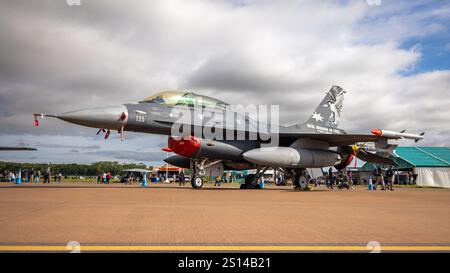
point(184, 98)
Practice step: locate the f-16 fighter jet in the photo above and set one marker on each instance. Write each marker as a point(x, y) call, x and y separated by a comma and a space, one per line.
point(4, 148)
point(204, 132)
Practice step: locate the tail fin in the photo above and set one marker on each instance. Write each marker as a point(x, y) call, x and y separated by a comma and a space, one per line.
point(328, 113)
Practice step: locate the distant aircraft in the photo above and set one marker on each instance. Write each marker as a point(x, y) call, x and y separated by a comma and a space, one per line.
point(314, 144)
point(3, 148)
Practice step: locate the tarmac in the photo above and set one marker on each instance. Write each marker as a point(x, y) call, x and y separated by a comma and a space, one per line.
point(168, 215)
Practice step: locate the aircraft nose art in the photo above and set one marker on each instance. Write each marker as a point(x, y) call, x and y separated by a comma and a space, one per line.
point(107, 117)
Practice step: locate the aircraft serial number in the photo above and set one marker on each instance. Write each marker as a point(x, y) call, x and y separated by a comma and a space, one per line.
point(140, 119)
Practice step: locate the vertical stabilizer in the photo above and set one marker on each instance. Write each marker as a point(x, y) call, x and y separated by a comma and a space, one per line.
point(328, 113)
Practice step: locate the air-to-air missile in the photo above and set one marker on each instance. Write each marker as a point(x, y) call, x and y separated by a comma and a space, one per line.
point(401, 134)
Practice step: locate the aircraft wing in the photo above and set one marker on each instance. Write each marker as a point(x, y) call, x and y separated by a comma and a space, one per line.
point(337, 139)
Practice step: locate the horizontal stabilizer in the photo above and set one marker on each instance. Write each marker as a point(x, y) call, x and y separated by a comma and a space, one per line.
point(374, 158)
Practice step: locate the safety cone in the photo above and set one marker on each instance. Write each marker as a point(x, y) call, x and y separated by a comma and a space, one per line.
point(144, 180)
point(19, 177)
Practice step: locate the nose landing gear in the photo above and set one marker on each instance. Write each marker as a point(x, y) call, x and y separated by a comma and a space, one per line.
point(197, 181)
point(199, 166)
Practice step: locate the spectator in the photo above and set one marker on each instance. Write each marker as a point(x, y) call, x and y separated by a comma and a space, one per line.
point(414, 175)
point(410, 177)
point(128, 181)
point(46, 177)
point(181, 178)
point(38, 177)
point(32, 175)
point(330, 178)
point(379, 178)
point(218, 181)
point(390, 178)
point(350, 179)
point(49, 172)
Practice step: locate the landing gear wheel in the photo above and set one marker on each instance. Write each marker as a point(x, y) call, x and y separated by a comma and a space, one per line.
point(250, 183)
point(301, 182)
point(197, 182)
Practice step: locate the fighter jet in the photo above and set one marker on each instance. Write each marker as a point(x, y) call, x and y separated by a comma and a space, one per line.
point(7, 148)
point(316, 143)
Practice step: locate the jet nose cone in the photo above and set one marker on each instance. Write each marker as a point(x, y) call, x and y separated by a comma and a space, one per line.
point(107, 117)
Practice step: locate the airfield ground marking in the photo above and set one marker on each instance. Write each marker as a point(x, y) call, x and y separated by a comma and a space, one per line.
point(61, 248)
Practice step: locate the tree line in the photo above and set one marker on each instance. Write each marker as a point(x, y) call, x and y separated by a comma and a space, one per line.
point(75, 169)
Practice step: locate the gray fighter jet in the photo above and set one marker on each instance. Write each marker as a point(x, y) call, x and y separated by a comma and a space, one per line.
point(316, 143)
point(4, 148)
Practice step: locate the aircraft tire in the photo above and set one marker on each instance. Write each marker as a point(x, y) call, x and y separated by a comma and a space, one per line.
point(301, 182)
point(197, 182)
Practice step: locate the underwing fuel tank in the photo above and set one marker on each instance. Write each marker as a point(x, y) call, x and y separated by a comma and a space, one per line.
point(292, 157)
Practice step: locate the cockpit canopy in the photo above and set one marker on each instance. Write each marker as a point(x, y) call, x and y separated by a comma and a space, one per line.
point(173, 98)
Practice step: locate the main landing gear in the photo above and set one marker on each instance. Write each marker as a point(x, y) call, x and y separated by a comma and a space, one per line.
point(251, 180)
point(300, 179)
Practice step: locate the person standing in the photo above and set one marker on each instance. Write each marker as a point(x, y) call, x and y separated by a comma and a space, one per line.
point(390, 178)
point(38, 177)
point(218, 181)
point(330, 178)
point(108, 177)
point(414, 175)
point(350, 179)
point(410, 175)
point(32, 175)
point(380, 179)
point(181, 177)
point(49, 172)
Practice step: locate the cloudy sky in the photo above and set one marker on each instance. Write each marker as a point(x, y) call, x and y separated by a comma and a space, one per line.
point(393, 57)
